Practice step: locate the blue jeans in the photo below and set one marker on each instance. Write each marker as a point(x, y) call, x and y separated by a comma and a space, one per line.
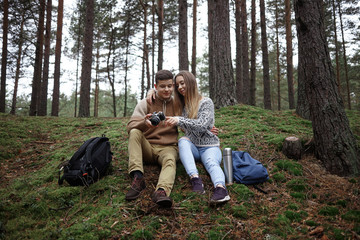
point(210, 157)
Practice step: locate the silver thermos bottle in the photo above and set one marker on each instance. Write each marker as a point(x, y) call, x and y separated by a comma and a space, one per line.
point(228, 165)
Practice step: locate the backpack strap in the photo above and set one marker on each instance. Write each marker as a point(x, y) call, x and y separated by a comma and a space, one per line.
point(82, 148)
point(92, 144)
point(259, 189)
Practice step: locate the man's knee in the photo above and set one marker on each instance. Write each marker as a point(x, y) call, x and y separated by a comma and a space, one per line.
point(135, 131)
point(169, 160)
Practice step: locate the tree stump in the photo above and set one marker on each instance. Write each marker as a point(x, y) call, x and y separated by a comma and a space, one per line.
point(292, 148)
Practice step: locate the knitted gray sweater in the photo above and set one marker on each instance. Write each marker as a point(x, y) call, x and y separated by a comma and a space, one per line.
point(198, 130)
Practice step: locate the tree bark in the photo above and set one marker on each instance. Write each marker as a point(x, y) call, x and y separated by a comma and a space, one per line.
point(84, 106)
point(35, 93)
point(253, 55)
point(335, 144)
point(278, 75)
point(56, 89)
point(220, 63)
point(193, 55)
point(238, 70)
point(265, 57)
point(160, 34)
point(345, 58)
point(183, 36)
point(289, 55)
point(292, 148)
point(337, 64)
point(18, 63)
point(4, 56)
point(245, 53)
point(45, 79)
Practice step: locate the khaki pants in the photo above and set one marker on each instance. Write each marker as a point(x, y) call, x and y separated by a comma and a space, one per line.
point(140, 151)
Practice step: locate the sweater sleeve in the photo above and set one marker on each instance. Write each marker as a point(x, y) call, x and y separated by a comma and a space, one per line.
point(204, 120)
point(137, 119)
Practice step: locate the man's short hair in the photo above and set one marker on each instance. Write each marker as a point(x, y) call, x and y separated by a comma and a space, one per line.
point(163, 75)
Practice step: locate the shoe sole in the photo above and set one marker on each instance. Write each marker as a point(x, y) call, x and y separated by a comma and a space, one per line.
point(164, 203)
point(133, 197)
point(199, 192)
point(225, 199)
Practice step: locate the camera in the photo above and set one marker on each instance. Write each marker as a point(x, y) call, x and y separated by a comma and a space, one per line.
point(156, 118)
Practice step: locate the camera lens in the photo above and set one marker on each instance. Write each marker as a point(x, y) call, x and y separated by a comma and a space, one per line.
point(155, 120)
point(161, 115)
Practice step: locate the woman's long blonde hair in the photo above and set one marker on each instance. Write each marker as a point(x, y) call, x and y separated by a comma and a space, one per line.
point(192, 97)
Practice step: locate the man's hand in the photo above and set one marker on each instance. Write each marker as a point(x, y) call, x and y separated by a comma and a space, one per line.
point(150, 97)
point(171, 121)
point(215, 130)
point(147, 121)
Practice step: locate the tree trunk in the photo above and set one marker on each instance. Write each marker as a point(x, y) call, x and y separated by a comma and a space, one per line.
point(35, 93)
point(142, 87)
point(109, 67)
point(183, 36)
point(278, 75)
point(84, 106)
point(265, 57)
point(18, 64)
point(193, 55)
point(4, 56)
point(126, 69)
point(160, 34)
point(78, 44)
point(245, 53)
point(145, 52)
point(45, 79)
point(239, 65)
point(292, 148)
point(253, 55)
point(96, 92)
point(289, 55)
point(153, 10)
point(56, 89)
point(335, 144)
point(337, 66)
point(345, 58)
point(221, 75)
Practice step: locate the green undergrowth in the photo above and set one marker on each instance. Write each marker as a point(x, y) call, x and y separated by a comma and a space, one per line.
point(34, 206)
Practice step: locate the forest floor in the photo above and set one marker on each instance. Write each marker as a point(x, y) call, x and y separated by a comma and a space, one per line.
point(303, 200)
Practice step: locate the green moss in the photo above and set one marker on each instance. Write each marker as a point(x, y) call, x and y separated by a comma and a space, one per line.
point(279, 177)
point(297, 185)
point(329, 211)
point(292, 167)
point(352, 216)
point(311, 223)
point(239, 212)
point(242, 192)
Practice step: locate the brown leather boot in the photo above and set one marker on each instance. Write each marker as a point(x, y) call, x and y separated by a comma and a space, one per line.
point(137, 186)
point(160, 198)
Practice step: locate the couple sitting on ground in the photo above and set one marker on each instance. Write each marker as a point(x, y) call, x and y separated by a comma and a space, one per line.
point(192, 113)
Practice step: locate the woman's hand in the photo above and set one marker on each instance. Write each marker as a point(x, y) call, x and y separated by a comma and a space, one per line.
point(214, 130)
point(171, 121)
point(150, 97)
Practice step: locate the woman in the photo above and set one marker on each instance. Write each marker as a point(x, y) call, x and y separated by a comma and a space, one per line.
point(196, 119)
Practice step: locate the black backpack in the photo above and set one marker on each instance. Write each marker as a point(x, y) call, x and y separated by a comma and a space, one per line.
point(88, 164)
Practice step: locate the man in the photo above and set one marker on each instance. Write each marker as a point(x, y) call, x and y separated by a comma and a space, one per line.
point(153, 144)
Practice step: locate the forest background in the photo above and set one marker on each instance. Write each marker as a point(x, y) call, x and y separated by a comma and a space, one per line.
point(123, 66)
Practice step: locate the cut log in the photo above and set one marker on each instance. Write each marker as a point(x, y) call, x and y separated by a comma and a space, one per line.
point(292, 148)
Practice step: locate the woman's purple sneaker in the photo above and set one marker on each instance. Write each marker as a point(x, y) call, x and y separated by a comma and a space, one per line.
point(197, 185)
point(220, 195)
